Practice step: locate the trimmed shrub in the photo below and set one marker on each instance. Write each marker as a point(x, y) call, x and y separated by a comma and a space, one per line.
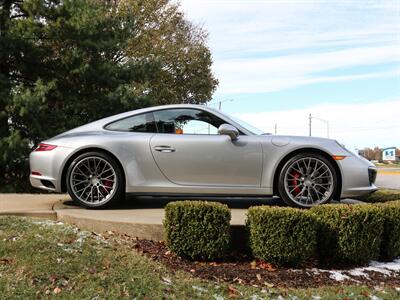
point(281, 235)
point(197, 230)
point(382, 195)
point(390, 246)
point(348, 233)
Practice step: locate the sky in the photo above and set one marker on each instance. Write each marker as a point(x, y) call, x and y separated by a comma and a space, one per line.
point(279, 61)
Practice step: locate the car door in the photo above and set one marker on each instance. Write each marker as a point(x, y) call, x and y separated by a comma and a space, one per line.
point(189, 151)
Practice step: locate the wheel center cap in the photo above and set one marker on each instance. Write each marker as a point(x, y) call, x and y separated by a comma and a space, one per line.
point(94, 180)
point(308, 182)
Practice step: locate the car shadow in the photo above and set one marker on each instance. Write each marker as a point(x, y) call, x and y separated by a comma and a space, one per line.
point(154, 202)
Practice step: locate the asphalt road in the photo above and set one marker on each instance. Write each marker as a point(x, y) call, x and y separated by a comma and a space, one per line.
point(388, 180)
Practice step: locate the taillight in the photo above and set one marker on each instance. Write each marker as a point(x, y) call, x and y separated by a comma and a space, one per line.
point(45, 147)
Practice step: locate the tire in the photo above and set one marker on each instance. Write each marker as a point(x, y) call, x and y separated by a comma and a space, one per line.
point(95, 180)
point(306, 180)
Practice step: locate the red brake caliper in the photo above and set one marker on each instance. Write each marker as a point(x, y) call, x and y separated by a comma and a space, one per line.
point(107, 185)
point(295, 182)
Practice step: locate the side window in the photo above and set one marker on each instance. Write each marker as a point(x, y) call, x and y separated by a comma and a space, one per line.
point(137, 123)
point(186, 121)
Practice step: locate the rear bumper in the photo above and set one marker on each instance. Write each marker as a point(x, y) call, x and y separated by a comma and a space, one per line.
point(46, 168)
point(43, 182)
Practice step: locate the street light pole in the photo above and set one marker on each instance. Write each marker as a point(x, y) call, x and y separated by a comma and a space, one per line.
point(319, 119)
point(309, 124)
point(222, 101)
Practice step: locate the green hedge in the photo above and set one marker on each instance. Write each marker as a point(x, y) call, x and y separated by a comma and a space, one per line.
point(281, 235)
point(348, 234)
point(390, 247)
point(197, 230)
point(382, 195)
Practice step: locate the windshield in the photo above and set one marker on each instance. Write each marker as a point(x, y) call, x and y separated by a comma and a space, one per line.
point(246, 125)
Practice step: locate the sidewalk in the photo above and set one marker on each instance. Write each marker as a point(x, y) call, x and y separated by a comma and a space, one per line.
point(30, 205)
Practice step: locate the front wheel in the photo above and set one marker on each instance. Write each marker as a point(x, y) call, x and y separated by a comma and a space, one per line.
point(94, 180)
point(306, 180)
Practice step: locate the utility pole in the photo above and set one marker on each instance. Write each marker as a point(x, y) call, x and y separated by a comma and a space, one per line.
point(276, 128)
point(309, 124)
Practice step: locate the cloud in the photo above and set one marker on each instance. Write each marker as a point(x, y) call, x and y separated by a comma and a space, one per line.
point(264, 46)
point(271, 74)
point(355, 125)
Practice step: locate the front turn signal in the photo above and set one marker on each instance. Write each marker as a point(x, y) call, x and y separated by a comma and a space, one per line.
point(338, 157)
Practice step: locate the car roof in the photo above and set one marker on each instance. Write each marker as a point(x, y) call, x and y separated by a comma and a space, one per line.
point(99, 124)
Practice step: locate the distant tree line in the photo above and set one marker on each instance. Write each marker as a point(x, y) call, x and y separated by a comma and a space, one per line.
point(64, 63)
point(375, 153)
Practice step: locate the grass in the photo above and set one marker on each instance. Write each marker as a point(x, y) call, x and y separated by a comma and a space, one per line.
point(392, 165)
point(44, 259)
point(382, 195)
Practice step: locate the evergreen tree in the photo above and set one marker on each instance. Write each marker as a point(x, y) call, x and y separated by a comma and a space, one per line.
point(64, 63)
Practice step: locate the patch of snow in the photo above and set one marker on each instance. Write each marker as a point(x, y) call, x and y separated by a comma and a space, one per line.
point(166, 281)
point(47, 223)
point(218, 297)
point(392, 265)
point(82, 235)
point(378, 270)
point(199, 288)
point(316, 271)
point(358, 272)
point(373, 297)
point(316, 297)
point(385, 268)
point(338, 275)
point(80, 241)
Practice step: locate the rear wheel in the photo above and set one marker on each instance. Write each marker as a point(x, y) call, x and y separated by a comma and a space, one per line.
point(306, 180)
point(94, 180)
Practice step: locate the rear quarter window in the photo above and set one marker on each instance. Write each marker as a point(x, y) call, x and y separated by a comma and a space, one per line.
point(137, 123)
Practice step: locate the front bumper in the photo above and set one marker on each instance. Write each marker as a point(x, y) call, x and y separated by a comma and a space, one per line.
point(46, 168)
point(358, 177)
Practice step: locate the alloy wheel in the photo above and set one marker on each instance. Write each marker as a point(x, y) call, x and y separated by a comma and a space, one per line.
point(93, 180)
point(309, 181)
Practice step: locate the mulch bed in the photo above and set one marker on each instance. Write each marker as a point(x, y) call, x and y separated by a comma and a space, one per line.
point(244, 270)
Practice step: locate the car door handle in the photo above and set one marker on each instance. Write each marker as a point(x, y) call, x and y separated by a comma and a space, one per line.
point(164, 149)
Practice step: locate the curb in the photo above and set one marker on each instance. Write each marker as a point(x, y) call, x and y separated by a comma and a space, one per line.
point(43, 214)
point(65, 214)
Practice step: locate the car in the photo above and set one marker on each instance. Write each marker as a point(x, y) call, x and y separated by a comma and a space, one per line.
point(194, 150)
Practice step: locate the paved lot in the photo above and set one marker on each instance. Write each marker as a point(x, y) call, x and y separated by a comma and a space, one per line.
point(388, 179)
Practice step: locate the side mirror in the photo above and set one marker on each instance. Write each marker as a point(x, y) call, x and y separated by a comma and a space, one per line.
point(226, 129)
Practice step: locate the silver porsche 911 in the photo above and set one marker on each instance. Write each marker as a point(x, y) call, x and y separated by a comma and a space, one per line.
point(193, 150)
